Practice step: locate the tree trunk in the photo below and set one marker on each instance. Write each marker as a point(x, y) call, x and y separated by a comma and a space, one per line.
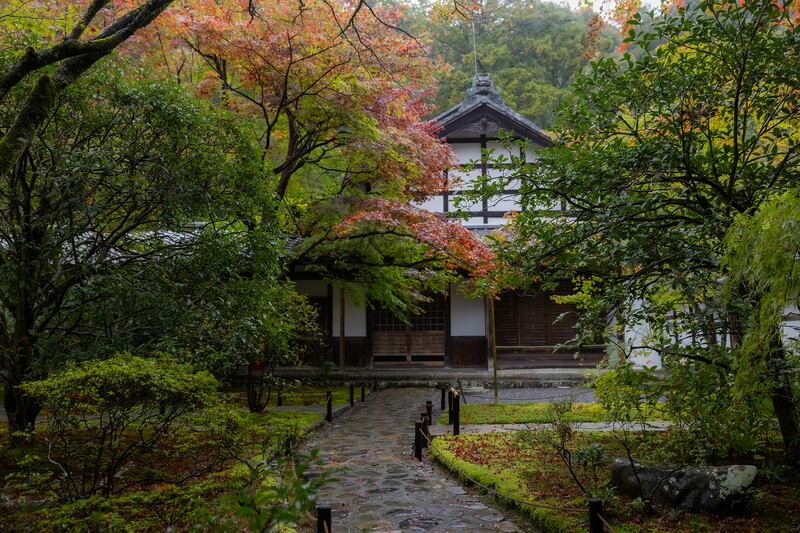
point(21, 411)
point(783, 400)
point(255, 386)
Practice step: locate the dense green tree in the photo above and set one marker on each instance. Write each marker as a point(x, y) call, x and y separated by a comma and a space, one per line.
point(658, 156)
point(532, 49)
point(128, 188)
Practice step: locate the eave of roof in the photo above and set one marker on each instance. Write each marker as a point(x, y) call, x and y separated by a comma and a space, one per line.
point(483, 98)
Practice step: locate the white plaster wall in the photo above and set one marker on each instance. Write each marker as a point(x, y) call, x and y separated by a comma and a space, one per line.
point(505, 202)
point(466, 152)
point(458, 201)
point(467, 315)
point(462, 179)
point(641, 334)
point(434, 204)
point(635, 336)
point(313, 288)
point(791, 328)
point(498, 148)
point(530, 153)
point(355, 316)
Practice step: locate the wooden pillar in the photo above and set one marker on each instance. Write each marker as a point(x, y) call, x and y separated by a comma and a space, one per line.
point(494, 347)
point(341, 328)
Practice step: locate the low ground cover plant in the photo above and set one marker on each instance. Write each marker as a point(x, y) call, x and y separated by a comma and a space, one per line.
point(529, 471)
point(134, 444)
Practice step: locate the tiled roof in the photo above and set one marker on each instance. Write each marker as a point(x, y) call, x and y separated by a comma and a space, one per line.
point(483, 95)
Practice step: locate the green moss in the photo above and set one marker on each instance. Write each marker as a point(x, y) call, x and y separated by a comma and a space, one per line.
point(520, 471)
point(280, 421)
point(302, 395)
point(509, 485)
point(156, 508)
point(529, 413)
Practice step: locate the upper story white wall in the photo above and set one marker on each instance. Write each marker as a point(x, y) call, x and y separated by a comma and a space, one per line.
point(489, 212)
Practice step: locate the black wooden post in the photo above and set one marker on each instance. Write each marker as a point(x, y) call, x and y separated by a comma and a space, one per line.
point(288, 444)
point(280, 397)
point(456, 414)
point(595, 509)
point(441, 407)
point(324, 520)
point(449, 406)
point(423, 418)
point(418, 440)
point(363, 392)
point(429, 409)
point(329, 406)
point(352, 395)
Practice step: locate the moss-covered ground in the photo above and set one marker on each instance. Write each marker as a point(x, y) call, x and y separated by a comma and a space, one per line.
point(519, 470)
point(27, 504)
point(302, 395)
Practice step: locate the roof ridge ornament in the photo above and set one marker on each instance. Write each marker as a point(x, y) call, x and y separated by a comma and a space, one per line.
point(482, 89)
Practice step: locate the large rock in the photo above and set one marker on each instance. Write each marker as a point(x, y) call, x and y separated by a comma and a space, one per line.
point(693, 489)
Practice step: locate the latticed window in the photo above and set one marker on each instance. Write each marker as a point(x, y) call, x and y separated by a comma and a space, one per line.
point(431, 317)
point(386, 320)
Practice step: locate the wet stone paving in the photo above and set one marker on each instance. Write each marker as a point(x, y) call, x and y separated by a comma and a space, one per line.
point(379, 485)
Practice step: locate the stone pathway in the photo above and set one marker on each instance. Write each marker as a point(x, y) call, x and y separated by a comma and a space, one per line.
point(381, 487)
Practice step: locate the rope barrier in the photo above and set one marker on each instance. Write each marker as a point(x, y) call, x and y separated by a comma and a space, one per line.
point(609, 526)
point(504, 497)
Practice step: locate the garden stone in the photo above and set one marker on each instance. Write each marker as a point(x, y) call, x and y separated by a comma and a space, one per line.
point(719, 489)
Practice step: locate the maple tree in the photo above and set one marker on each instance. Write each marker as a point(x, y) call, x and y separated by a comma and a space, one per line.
point(333, 92)
point(336, 98)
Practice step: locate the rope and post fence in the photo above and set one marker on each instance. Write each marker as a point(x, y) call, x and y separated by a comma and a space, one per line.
point(449, 406)
point(324, 522)
point(423, 439)
point(329, 406)
point(423, 419)
point(456, 413)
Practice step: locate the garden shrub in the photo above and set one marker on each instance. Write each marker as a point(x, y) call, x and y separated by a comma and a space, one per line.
point(713, 420)
point(283, 494)
point(103, 415)
point(628, 395)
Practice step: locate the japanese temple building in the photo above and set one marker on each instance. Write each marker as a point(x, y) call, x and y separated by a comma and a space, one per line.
point(455, 330)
